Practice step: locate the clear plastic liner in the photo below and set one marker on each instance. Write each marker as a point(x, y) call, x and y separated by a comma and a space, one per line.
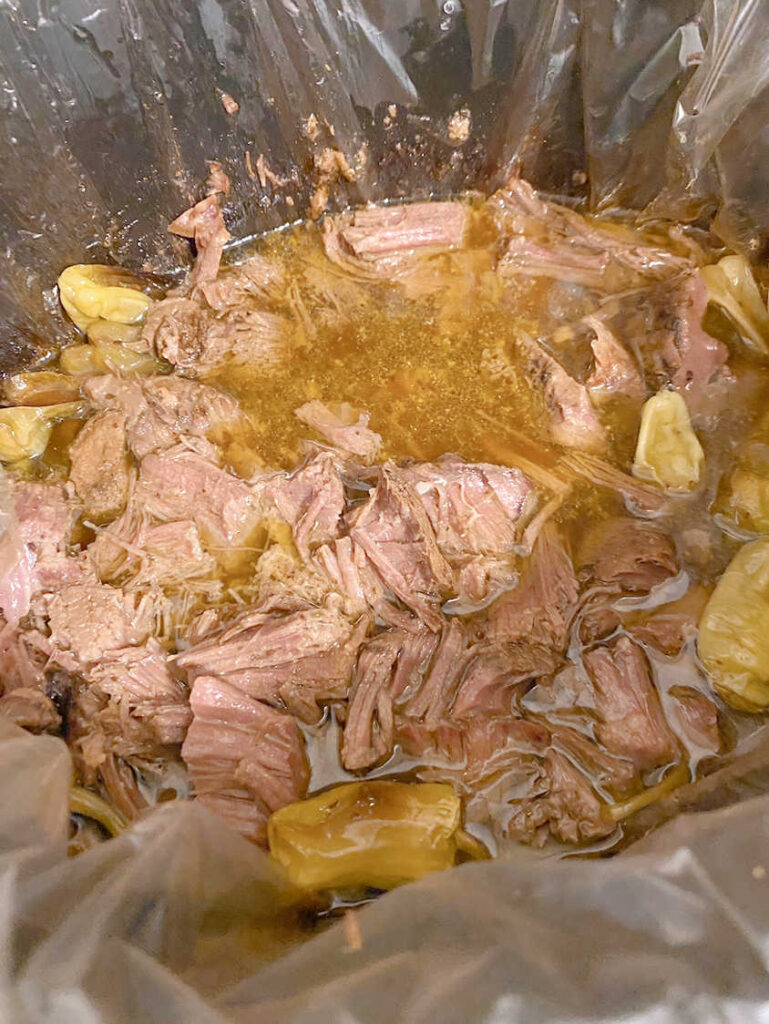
point(109, 114)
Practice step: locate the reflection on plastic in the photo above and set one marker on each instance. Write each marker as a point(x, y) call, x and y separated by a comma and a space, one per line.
point(182, 920)
point(113, 109)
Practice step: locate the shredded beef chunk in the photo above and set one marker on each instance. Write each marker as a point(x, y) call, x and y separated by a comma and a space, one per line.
point(474, 508)
point(493, 673)
point(181, 484)
point(627, 555)
point(615, 370)
point(99, 466)
point(539, 610)
point(394, 531)
point(343, 428)
point(368, 731)
point(382, 231)
point(632, 723)
point(298, 659)
point(572, 248)
point(245, 758)
point(205, 225)
point(133, 552)
point(88, 619)
point(431, 702)
point(160, 411)
point(569, 808)
point(30, 709)
point(311, 500)
point(697, 718)
point(138, 680)
point(574, 422)
point(33, 551)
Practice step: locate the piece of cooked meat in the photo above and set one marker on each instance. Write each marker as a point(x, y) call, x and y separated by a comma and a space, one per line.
point(569, 808)
point(384, 230)
point(99, 468)
point(204, 224)
point(134, 552)
point(474, 508)
point(160, 411)
point(88, 619)
point(245, 758)
point(493, 673)
point(296, 660)
point(626, 555)
point(311, 500)
point(431, 703)
point(615, 370)
point(191, 338)
point(395, 532)
point(677, 347)
point(574, 422)
point(33, 550)
point(139, 682)
point(345, 429)
point(632, 723)
point(539, 610)
point(182, 484)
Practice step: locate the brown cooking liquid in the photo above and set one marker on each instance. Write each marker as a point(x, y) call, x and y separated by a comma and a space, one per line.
point(425, 368)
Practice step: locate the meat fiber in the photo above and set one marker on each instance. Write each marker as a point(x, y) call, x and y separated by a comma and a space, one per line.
point(431, 703)
point(573, 420)
point(205, 225)
point(311, 500)
point(33, 549)
point(182, 484)
point(99, 466)
point(344, 428)
point(368, 731)
point(296, 660)
point(382, 231)
point(632, 723)
point(627, 555)
point(615, 370)
point(539, 610)
point(88, 619)
point(245, 758)
point(138, 682)
point(394, 531)
point(474, 508)
point(160, 411)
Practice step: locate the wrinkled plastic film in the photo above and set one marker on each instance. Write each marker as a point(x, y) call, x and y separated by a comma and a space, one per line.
point(109, 114)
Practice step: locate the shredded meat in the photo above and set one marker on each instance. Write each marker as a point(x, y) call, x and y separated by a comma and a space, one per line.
point(540, 608)
point(160, 411)
point(245, 759)
point(205, 225)
point(343, 428)
point(99, 466)
point(632, 723)
point(295, 659)
point(394, 531)
point(573, 420)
